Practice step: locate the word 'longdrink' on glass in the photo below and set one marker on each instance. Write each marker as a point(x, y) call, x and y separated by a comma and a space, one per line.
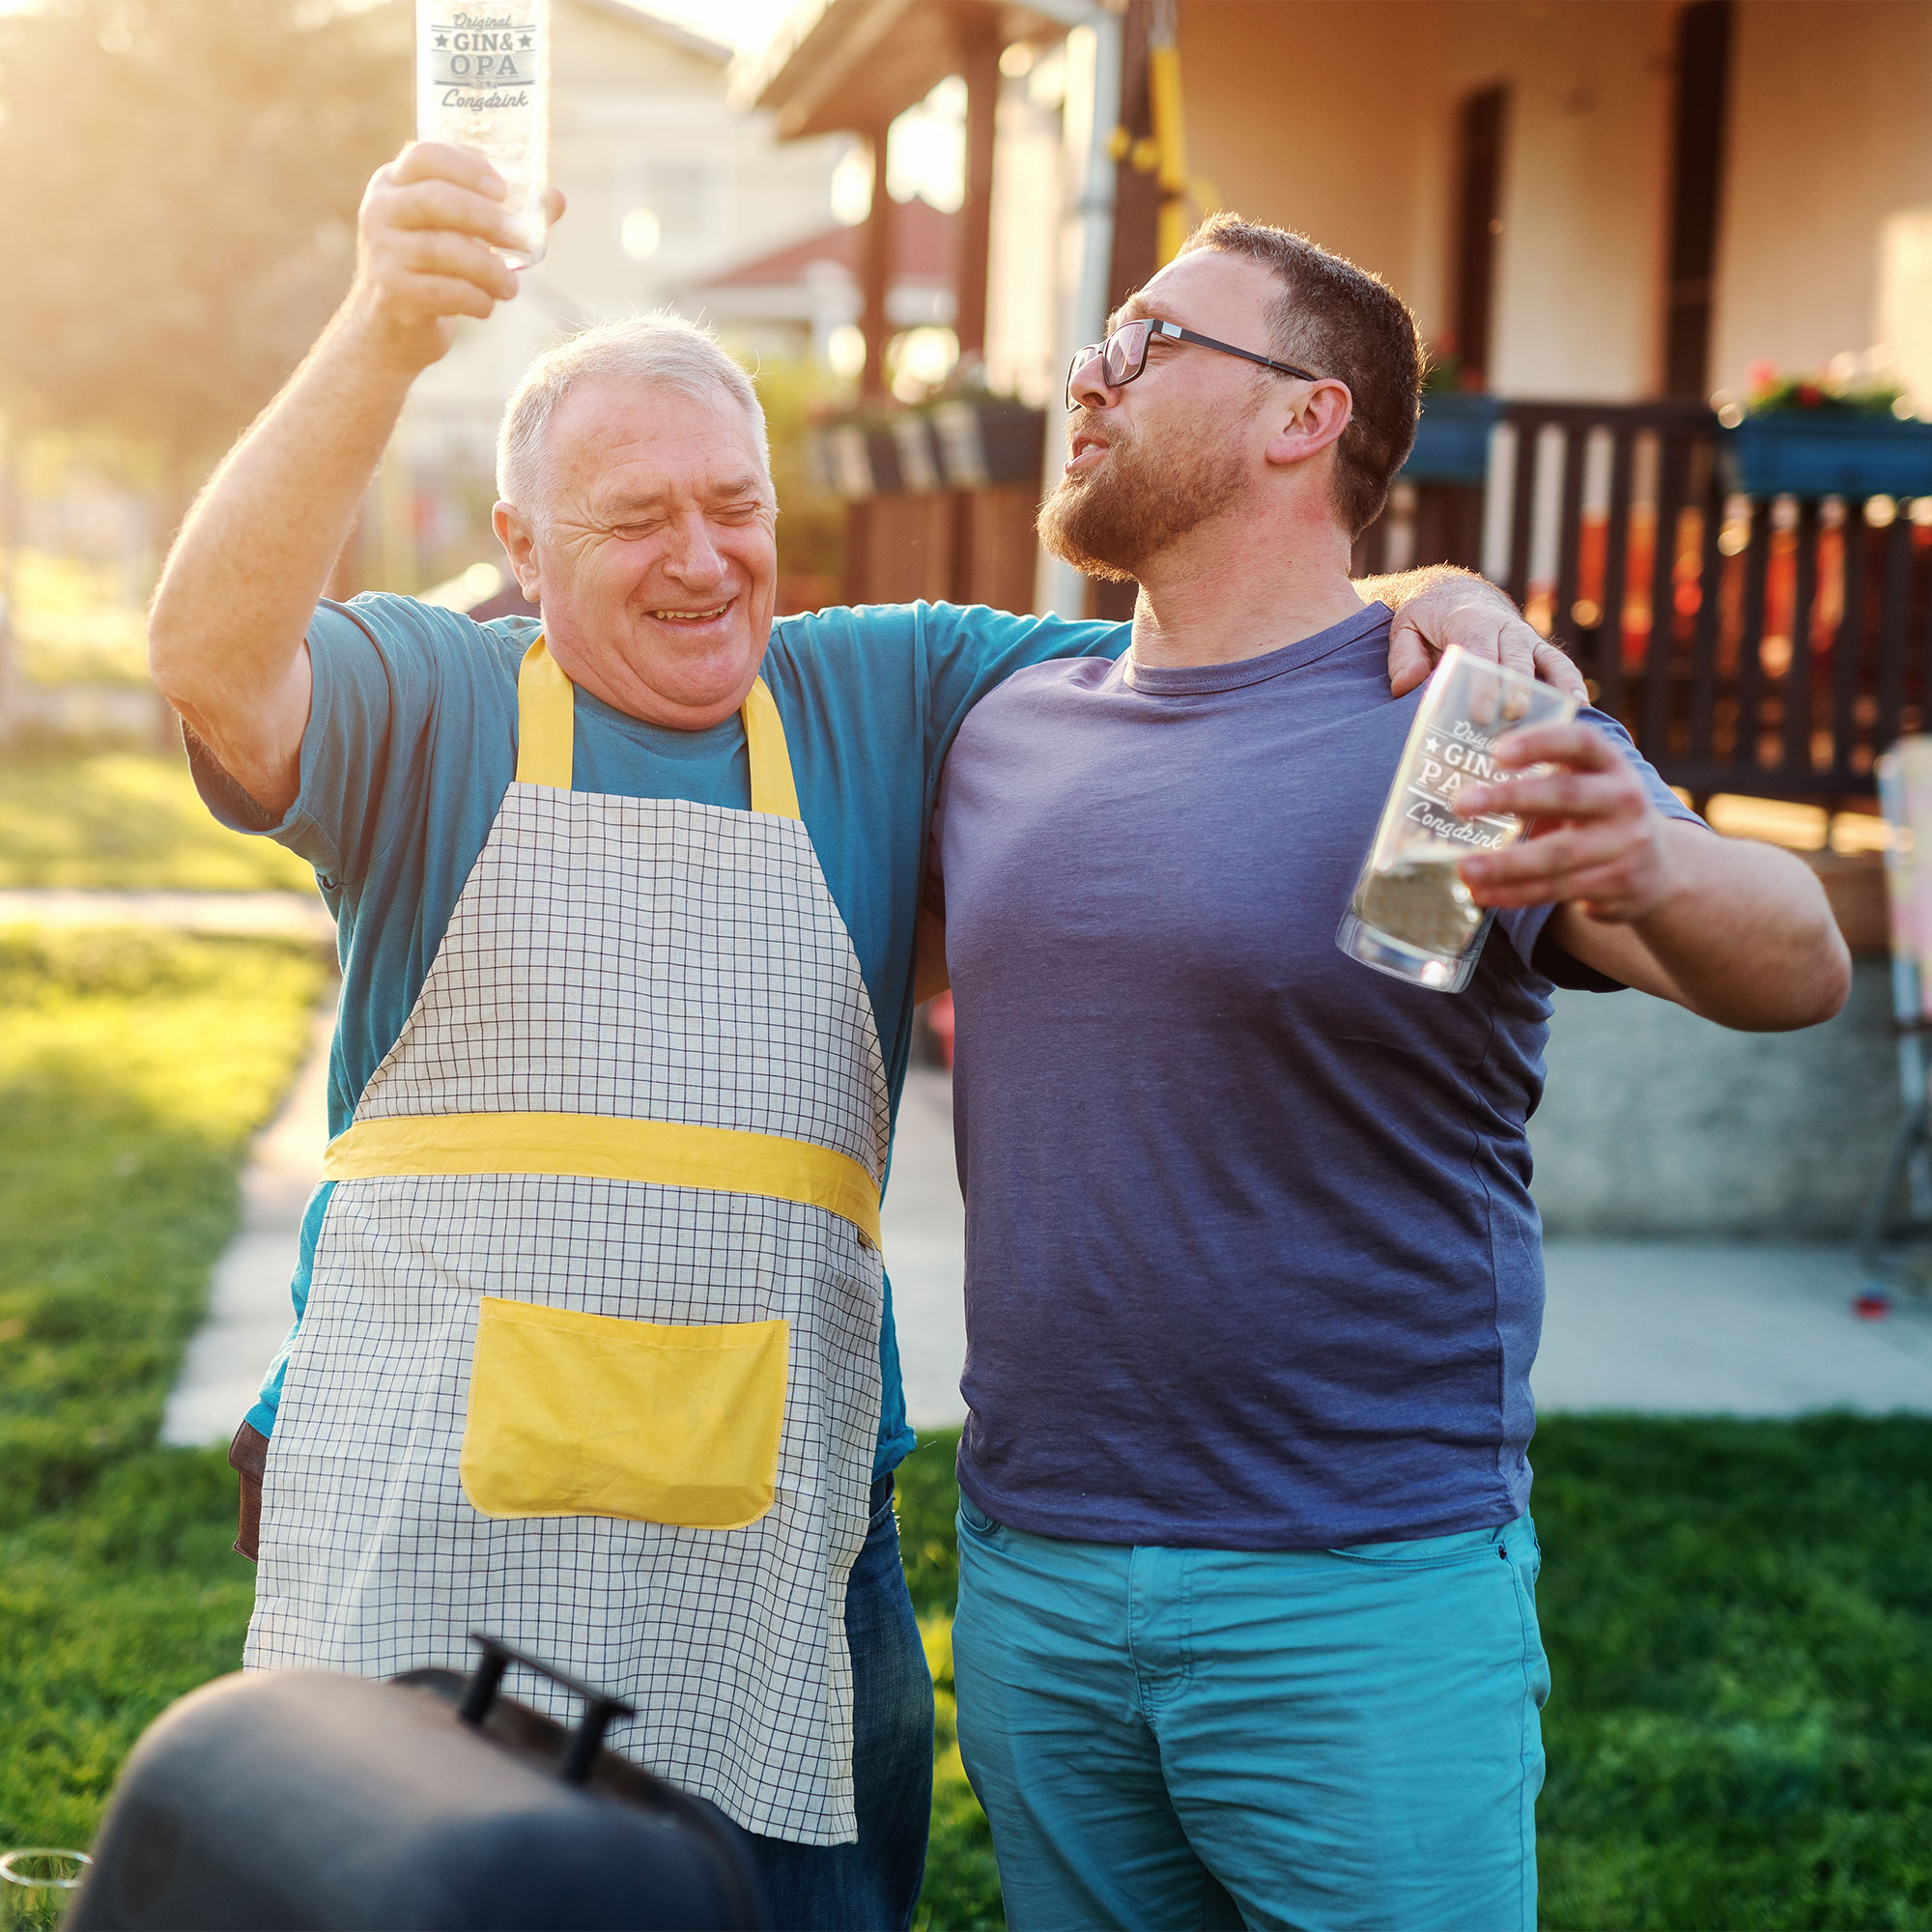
point(483, 82)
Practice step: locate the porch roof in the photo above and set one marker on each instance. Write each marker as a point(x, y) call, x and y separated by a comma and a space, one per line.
point(842, 65)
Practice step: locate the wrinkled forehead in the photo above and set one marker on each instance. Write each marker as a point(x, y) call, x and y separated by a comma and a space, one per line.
point(1212, 292)
point(614, 441)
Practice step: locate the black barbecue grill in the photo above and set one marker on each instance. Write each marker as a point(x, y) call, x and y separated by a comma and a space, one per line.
point(303, 1798)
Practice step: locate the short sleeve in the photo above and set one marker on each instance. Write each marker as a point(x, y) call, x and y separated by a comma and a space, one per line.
point(970, 649)
point(373, 663)
point(1525, 925)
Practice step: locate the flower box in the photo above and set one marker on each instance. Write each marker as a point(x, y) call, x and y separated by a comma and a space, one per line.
point(918, 459)
point(953, 445)
point(1451, 440)
point(855, 459)
point(1828, 453)
point(989, 442)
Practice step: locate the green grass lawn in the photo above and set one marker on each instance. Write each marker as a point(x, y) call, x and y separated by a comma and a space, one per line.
point(1739, 1615)
point(129, 821)
point(134, 1068)
point(1739, 1621)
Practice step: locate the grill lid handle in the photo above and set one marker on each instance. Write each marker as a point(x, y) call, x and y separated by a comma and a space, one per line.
point(599, 1707)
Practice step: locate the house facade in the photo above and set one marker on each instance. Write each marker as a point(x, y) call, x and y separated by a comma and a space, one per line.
point(1623, 201)
point(1609, 218)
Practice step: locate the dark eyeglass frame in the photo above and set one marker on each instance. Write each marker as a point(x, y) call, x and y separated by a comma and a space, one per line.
point(1132, 358)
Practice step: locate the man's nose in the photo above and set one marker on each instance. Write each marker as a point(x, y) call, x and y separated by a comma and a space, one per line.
point(692, 557)
point(1089, 388)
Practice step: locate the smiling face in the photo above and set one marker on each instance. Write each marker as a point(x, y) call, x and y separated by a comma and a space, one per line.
point(1152, 460)
point(653, 554)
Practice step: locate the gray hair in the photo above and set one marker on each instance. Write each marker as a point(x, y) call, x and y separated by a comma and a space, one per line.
point(661, 347)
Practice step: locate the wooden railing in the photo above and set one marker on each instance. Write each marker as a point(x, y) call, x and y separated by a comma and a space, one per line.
point(1770, 645)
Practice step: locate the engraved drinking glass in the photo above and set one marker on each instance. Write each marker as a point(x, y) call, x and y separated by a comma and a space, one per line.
point(1410, 913)
point(483, 82)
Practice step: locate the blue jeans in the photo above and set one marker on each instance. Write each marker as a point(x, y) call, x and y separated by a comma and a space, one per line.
point(871, 1886)
point(1315, 1739)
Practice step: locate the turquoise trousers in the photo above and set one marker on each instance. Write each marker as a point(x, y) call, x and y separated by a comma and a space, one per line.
point(1195, 1738)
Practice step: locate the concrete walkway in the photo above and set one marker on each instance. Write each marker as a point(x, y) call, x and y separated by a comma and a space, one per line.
point(267, 915)
point(923, 1224)
point(1723, 1329)
point(248, 1310)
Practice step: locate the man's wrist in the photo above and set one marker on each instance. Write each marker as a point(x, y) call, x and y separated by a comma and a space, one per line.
point(1397, 588)
point(372, 350)
point(1674, 891)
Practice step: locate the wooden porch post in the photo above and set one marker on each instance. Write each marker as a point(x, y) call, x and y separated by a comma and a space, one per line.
point(1137, 189)
point(979, 63)
point(875, 277)
point(876, 273)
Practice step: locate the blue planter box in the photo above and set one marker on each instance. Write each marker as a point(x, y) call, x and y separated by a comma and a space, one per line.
point(1451, 440)
point(1800, 453)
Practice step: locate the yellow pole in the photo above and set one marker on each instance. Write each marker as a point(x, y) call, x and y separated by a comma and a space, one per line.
point(1169, 137)
point(1170, 131)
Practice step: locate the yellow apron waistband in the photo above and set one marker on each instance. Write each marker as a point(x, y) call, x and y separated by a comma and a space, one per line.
point(666, 1153)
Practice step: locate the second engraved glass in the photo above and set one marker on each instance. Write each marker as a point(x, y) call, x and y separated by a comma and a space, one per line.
point(1410, 913)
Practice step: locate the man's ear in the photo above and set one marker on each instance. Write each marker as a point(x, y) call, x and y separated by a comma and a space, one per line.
point(520, 545)
point(1313, 421)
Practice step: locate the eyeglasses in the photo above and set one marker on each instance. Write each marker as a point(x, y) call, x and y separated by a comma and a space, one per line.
point(1124, 355)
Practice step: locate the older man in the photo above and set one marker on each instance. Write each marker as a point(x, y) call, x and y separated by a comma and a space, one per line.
point(593, 1347)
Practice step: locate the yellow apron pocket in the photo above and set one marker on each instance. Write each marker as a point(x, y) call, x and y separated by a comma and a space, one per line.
point(574, 1415)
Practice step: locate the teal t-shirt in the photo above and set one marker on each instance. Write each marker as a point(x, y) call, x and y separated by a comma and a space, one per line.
point(412, 743)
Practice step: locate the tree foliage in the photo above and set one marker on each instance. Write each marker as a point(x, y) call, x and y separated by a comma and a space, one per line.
point(179, 181)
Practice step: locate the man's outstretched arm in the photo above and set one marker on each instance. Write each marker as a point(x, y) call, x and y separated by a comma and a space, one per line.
point(225, 640)
point(1737, 931)
point(1441, 605)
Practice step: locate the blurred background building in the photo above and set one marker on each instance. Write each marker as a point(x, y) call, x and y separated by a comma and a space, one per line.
point(1639, 236)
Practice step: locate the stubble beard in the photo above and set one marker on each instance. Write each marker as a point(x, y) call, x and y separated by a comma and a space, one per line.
point(1111, 523)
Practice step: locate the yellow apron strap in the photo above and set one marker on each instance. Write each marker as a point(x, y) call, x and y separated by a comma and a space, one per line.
point(772, 788)
point(546, 721)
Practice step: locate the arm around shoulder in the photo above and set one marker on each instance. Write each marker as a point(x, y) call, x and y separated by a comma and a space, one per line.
point(1442, 604)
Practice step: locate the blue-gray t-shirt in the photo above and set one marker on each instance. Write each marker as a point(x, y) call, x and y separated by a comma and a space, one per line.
point(1251, 1260)
point(412, 743)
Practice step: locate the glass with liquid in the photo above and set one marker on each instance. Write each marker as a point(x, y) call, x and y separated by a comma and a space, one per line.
point(1410, 913)
point(37, 1886)
point(483, 82)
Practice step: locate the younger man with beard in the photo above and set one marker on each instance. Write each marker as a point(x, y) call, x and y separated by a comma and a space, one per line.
point(1247, 1628)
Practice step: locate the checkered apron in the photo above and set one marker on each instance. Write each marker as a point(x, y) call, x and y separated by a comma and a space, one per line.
point(654, 994)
